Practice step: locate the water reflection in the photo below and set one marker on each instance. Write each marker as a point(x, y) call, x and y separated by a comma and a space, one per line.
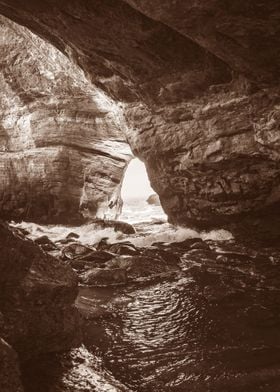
point(215, 328)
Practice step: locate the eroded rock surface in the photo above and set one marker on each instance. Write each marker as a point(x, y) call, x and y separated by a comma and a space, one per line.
point(199, 82)
point(218, 166)
point(62, 150)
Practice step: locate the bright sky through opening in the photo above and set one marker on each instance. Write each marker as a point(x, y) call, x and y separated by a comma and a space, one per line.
point(136, 183)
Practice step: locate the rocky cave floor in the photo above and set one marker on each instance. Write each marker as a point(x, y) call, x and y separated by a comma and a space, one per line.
point(234, 285)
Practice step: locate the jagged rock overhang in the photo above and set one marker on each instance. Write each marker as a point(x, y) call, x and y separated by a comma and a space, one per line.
point(201, 94)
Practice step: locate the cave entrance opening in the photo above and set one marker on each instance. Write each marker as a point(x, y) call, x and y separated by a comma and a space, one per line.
point(140, 202)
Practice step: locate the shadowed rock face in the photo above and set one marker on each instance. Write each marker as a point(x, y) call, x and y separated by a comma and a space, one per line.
point(215, 159)
point(199, 86)
point(37, 312)
point(126, 53)
point(37, 295)
point(9, 369)
point(244, 35)
point(62, 149)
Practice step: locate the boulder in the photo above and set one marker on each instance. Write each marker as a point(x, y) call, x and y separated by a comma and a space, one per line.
point(141, 266)
point(167, 256)
point(45, 243)
point(153, 200)
point(44, 239)
point(104, 277)
point(78, 265)
point(37, 295)
point(75, 250)
point(123, 227)
point(123, 248)
point(186, 244)
point(98, 256)
point(90, 260)
point(72, 235)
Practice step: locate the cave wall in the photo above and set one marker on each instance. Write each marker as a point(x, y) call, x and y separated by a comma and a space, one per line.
point(37, 310)
point(245, 35)
point(214, 160)
point(199, 87)
point(9, 369)
point(62, 148)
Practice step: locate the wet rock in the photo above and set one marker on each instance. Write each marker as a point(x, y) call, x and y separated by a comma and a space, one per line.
point(37, 294)
point(9, 369)
point(200, 245)
point(104, 277)
point(45, 243)
point(261, 317)
point(160, 244)
point(140, 266)
point(78, 264)
point(79, 370)
point(72, 236)
point(44, 239)
point(234, 254)
point(94, 259)
point(98, 256)
point(123, 227)
point(153, 200)
point(123, 262)
point(88, 260)
point(64, 241)
point(124, 248)
point(187, 243)
point(21, 231)
point(167, 256)
point(103, 244)
point(74, 250)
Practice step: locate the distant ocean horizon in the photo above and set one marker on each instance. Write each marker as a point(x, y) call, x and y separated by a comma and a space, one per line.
point(138, 210)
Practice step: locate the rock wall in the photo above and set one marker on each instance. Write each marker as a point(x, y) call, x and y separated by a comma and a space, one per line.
point(9, 369)
point(62, 150)
point(242, 34)
point(37, 295)
point(199, 83)
point(214, 160)
point(37, 312)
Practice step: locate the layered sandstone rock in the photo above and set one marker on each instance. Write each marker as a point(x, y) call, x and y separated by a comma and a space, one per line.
point(199, 81)
point(215, 159)
point(62, 151)
point(37, 295)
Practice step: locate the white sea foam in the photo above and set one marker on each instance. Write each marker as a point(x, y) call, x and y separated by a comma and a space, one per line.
point(89, 235)
point(144, 216)
point(169, 233)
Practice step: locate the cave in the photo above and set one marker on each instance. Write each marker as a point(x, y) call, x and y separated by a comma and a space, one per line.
point(190, 90)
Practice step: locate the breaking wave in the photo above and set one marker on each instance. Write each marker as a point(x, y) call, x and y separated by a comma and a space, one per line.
point(146, 234)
